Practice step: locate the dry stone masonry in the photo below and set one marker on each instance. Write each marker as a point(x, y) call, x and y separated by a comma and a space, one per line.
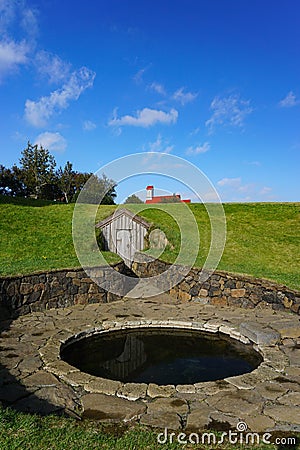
point(62, 288)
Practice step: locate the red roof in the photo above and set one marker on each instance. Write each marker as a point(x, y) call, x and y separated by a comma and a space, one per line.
point(149, 187)
point(162, 198)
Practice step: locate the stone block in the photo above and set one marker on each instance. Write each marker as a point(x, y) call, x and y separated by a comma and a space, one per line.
point(86, 280)
point(230, 284)
point(201, 300)
point(40, 379)
point(214, 292)
point(194, 291)
point(102, 386)
point(259, 334)
point(184, 296)
point(186, 389)
point(241, 402)
point(259, 423)
point(199, 418)
point(26, 288)
point(30, 364)
point(296, 308)
point(71, 274)
point(290, 399)
point(270, 297)
point(109, 408)
point(203, 293)
point(166, 420)
point(288, 328)
point(11, 289)
point(223, 422)
point(220, 301)
point(160, 391)
point(81, 299)
point(161, 405)
point(133, 391)
point(282, 413)
point(236, 293)
point(39, 287)
point(287, 302)
point(35, 296)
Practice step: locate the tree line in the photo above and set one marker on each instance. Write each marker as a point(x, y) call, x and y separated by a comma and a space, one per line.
point(37, 177)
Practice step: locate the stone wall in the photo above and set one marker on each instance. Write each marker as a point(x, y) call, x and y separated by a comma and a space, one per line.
point(223, 288)
point(21, 295)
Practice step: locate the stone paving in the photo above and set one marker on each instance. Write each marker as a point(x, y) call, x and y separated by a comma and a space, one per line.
point(33, 378)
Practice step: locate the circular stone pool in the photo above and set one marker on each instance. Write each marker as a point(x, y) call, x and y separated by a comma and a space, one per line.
point(161, 356)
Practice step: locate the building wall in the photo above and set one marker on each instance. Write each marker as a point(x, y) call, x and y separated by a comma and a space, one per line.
point(134, 231)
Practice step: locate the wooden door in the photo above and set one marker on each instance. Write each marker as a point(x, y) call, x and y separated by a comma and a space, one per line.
point(124, 245)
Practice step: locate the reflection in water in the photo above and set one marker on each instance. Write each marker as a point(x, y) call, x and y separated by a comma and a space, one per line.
point(161, 356)
point(132, 357)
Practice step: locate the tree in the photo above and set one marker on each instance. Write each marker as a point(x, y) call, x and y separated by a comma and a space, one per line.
point(37, 167)
point(99, 190)
point(80, 178)
point(133, 199)
point(108, 187)
point(66, 181)
point(171, 199)
point(10, 182)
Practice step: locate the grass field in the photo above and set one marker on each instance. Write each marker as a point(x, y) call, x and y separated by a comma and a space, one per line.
point(263, 239)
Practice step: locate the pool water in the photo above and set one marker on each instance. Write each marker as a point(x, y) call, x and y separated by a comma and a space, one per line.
point(161, 356)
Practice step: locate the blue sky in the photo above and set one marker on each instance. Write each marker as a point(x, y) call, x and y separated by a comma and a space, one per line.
point(216, 82)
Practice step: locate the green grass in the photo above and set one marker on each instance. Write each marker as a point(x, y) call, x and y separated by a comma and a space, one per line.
point(37, 238)
point(262, 238)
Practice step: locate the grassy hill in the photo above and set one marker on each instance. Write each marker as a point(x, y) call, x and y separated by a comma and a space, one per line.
point(263, 239)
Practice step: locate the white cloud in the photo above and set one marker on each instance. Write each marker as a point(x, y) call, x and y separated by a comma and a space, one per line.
point(12, 55)
point(253, 163)
point(88, 125)
point(289, 101)
point(29, 22)
point(16, 12)
point(146, 118)
point(228, 111)
point(265, 190)
point(231, 182)
point(159, 145)
point(7, 14)
point(157, 87)
point(51, 141)
point(184, 97)
point(156, 145)
point(195, 131)
point(37, 113)
point(198, 149)
point(52, 66)
point(15, 15)
point(233, 190)
point(138, 77)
